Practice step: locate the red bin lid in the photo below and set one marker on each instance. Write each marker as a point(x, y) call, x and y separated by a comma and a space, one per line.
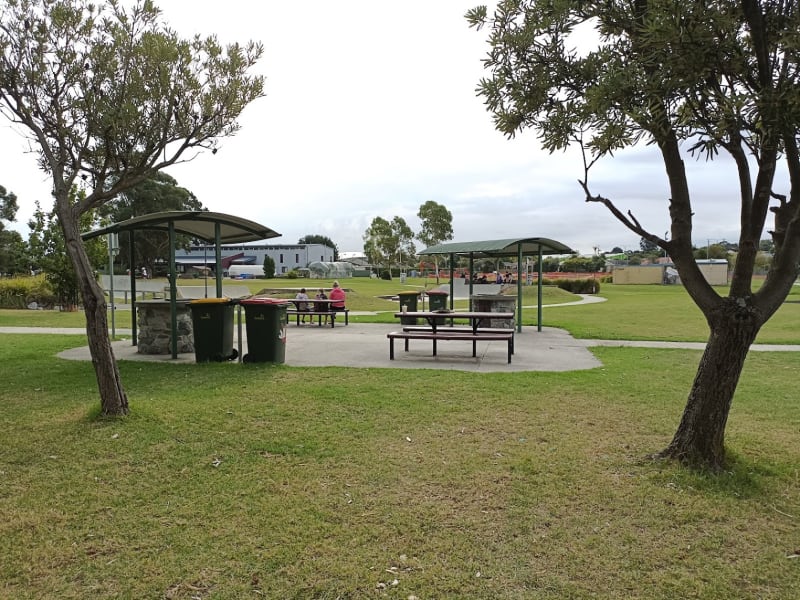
point(262, 301)
point(211, 301)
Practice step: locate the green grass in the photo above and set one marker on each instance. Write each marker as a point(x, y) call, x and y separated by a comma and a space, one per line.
point(232, 481)
point(631, 312)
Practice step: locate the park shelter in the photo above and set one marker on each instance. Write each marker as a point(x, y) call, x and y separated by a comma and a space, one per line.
point(210, 227)
point(519, 248)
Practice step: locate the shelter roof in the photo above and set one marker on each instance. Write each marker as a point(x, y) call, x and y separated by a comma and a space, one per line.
point(198, 224)
point(509, 247)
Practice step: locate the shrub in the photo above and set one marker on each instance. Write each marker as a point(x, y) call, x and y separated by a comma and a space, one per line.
point(19, 292)
point(386, 274)
point(580, 286)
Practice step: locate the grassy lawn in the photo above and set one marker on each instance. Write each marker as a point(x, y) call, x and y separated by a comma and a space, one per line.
point(233, 481)
point(631, 312)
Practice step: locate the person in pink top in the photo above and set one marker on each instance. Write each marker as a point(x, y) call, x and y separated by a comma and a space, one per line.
point(337, 297)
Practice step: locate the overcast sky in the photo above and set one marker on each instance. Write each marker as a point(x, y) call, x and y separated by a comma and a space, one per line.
point(370, 110)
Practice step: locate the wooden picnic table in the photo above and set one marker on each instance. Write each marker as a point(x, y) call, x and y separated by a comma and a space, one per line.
point(434, 317)
point(436, 331)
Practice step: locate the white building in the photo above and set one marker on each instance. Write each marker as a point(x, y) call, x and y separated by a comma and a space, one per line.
point(287, 257)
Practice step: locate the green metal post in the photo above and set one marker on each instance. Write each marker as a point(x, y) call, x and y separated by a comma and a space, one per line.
point(173, 290)
point(539, 295)
point(452, 278)
point(131, 257)
point(218, 258)
point(471, 273)
point(519, 289)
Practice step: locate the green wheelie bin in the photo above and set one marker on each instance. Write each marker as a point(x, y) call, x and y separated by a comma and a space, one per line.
point(265, 320)
point(212, 321)
point(408, 303)
point(437, 301)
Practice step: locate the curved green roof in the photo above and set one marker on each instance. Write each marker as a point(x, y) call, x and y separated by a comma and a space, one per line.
point(509, 247)
point(199, 224)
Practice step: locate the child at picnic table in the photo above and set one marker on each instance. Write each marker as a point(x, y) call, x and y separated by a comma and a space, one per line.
point(304, 306)
point(322, 296)
point(337, 297)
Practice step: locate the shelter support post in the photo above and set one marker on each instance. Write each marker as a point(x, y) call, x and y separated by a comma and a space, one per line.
point(218, 258)
point(173, 291)
point(471, 273)
point(539, 293)
point(452, 279)
point(132, 269)
point(519, 288)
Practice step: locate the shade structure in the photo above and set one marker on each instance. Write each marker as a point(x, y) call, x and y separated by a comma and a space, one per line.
point(518, 247)
point(200, 224)
point(219, 228)
point(508, 247)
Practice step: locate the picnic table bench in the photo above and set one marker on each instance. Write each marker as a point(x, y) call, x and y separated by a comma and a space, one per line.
point(321, 308)
point(507, 336)
point(434, 331)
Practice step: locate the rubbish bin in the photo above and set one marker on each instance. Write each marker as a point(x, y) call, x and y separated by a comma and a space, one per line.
point(212, 321)
point(408, 303)
point(265, 320)
point(437, 300)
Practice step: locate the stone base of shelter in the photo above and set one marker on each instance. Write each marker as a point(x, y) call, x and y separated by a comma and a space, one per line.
point(154, 325)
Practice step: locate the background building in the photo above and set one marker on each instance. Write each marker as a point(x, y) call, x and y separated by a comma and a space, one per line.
point(287, 257)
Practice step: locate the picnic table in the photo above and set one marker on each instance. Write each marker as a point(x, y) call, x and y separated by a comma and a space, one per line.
point(436, 330)
point(319, 308)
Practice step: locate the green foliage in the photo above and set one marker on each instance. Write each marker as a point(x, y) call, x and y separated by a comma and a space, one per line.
point(158, 193)
point(13, 250)
point(389, 243)
point(293, 274)
point(579, 286)
point(321, 239)
point(436, 223)
point(269, 267)
point(583, 264)
point(48, 253)
point(20, 292)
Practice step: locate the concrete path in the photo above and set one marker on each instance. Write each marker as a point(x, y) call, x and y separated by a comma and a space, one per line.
point(365, 345)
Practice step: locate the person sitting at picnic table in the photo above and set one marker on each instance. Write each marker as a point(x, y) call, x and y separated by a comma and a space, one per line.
point(323, 306)
point(304, 306)
point(337, 297)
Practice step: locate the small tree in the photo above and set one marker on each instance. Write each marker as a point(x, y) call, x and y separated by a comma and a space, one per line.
point(14, 257)
point(386, 243)
point(437, 227)
point(48, 253)
point(110, 96)
point(269, 267)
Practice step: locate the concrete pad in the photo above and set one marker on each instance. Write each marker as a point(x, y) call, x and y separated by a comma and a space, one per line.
point(364, 345)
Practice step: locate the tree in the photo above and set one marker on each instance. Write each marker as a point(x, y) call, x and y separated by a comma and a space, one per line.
point(320, 239)
point(158, 193)
point(13, 251)
point(109, 96)
point(690, 78)
point(386, 243)
point(269, 266)
point(48, 254)
point(436, 227)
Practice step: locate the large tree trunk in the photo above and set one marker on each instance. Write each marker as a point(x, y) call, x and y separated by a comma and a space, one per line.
point(700, 438)
point(113, 399)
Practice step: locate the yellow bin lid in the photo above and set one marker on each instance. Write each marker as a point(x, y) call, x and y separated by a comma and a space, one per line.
point(211, 301)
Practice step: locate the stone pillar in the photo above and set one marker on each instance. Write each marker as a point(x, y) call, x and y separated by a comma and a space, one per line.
point(155, 328)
